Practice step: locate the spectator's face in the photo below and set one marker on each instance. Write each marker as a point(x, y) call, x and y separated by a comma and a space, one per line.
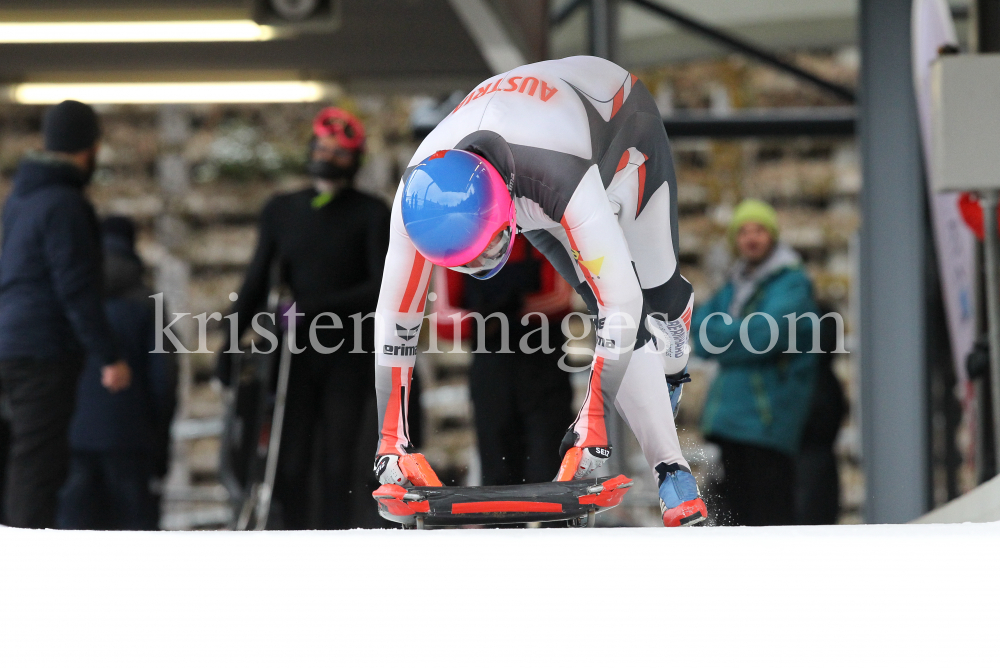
point(92, 157)
point(754, 243)
point(86, 160)
point(327, 149)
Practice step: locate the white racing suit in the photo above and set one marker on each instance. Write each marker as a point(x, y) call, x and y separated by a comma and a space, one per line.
point(582, 147)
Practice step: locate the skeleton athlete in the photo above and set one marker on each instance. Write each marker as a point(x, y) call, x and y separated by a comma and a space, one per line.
point(571, 153)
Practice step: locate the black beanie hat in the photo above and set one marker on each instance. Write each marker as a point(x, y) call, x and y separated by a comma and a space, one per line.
point(70, 126)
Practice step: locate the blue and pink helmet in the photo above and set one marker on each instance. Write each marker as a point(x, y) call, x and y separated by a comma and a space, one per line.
point(458, 213)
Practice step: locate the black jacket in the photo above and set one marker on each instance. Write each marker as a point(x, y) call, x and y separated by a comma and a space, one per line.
point(50, 267)
point(331, 254)
point(137, 418)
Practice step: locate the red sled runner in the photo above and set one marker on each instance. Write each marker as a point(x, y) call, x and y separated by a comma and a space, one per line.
point(429, 503)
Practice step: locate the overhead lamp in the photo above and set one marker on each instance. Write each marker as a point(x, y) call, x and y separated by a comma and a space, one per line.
point(41, 32)
point(172, 93)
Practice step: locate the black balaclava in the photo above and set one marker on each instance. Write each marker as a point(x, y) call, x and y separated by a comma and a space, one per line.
point(328, 171)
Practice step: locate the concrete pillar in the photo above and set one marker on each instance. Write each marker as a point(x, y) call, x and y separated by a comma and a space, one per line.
point(173, 275)
point(893, 394)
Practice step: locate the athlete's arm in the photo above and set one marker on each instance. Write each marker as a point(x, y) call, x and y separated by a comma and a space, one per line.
point(398, 318)
point(603, 256)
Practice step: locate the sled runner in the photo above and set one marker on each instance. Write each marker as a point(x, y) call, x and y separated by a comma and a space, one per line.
point(432, 504)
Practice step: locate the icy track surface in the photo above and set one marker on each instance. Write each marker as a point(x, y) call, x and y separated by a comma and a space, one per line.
point(926, 595)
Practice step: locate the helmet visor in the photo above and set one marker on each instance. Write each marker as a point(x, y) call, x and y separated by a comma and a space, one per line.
point(490, 261)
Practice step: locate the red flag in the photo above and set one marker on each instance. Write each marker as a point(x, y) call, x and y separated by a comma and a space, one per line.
point(972, 213)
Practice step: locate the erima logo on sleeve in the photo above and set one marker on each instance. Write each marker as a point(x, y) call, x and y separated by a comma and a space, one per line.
point(603, 341)
point(406, 334)
point(404, 351)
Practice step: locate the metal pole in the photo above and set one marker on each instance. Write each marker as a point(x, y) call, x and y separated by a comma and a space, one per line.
point(602, 28)
point(277, 424)
point(992, 257)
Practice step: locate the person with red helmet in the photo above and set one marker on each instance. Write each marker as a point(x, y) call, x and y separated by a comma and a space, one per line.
point(336, 148)
point(329, 241)
point(571, 153)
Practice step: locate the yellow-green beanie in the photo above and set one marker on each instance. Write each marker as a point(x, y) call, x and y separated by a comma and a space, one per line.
point(753, 211)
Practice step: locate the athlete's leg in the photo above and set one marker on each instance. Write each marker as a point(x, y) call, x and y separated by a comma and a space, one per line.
point(601, 252)
point(590, 252)
point(642, 189)
point(644, 401)
point(641, 185)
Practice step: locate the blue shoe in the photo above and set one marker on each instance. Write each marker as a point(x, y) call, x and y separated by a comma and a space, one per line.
point(680, 500)
point(675, 385)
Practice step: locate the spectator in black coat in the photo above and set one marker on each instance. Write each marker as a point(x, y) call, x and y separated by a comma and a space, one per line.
point(119, 441)
point(50, 310)
point(329, 242)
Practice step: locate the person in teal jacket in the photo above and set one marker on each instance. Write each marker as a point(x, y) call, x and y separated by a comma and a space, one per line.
point(758, 403)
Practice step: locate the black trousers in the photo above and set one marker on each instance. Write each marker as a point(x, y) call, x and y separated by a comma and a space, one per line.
point(817, 484)
point(4, 444)
point(108, 490)
point(322, 438)
point(523, 405)
point(758, 488)
point(41, 395)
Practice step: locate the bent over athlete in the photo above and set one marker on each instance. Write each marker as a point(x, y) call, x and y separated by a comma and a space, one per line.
point(571, 153)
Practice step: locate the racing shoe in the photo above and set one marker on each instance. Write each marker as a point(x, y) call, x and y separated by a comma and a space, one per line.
point(680, 500)
point(675, 385)
point(578, 463)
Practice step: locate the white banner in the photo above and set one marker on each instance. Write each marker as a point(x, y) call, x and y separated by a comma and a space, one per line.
point(933, 28)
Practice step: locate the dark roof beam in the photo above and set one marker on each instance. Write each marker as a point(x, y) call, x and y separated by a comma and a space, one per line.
point(812, 122)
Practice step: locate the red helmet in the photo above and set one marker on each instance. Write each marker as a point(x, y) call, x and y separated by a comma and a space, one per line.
point(349, 131)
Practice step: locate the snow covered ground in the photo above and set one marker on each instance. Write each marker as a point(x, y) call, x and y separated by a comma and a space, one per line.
point(846, 596)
